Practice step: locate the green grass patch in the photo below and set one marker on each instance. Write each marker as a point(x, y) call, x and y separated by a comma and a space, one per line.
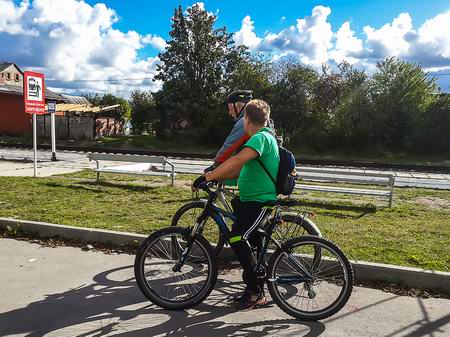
point(415, 232)
point(150, 142)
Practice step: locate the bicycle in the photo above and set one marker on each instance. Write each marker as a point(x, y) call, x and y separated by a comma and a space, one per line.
point(293, 223)
point(176, 268)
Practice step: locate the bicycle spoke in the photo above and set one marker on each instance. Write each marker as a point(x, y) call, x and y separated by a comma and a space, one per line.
point(306, 295)
point(169, 283)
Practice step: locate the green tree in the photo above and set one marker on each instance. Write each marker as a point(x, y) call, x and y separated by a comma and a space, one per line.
point(194, 67)
point(251, 72)
point(401, 93)
point(143, 116)
point(122, 113)
point(435, 133)
point(291, 98)
point(351, 113)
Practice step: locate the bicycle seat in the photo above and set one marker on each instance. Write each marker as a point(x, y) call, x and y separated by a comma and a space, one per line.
point(282, 202)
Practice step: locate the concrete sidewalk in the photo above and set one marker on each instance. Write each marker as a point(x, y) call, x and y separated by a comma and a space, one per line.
point(65, 291)
point(364, 271)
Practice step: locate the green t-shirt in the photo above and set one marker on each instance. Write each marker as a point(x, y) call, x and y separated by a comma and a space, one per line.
point(254, 183)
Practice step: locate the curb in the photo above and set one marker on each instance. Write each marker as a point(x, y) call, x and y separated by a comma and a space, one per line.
point(364, 271)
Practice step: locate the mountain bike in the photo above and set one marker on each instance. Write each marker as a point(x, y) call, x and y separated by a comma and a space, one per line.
point(293, 223)
point(308, 277)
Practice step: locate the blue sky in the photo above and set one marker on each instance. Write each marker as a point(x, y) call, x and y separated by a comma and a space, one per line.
point(153, 17)
point(72, 41)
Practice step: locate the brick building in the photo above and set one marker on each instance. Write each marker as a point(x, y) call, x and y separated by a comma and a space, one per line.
point(76, 118)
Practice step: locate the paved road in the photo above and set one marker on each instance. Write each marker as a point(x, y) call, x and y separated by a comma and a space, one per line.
point(65, 291)
point(73, 161)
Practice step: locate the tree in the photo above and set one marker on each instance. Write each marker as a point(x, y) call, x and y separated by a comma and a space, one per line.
point(401, 93)
point(434, 135)
point(194, 68)
point(291, 98)
point(122, 113)
point(143, 116)
point(351, 114)
point(251, 72)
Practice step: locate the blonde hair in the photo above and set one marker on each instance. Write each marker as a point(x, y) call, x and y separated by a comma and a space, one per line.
point(258, 112)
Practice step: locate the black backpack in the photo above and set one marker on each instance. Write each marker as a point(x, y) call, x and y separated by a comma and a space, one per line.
point(287, 174)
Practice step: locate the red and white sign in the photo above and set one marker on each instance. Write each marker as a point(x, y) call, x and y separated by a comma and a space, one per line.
point(34, 92)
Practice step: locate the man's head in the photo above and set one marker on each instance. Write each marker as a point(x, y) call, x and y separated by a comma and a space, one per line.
point(237, 100)
point(257, 114)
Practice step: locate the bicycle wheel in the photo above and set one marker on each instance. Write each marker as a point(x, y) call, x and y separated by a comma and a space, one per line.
point(187, 216)
point(307, 288)
point(294, 226)
point(155, 266)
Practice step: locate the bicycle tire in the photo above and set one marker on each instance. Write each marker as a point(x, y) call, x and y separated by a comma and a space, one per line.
point(200, 205)
point(152, 294)
point(283, 301)
point(309, 227)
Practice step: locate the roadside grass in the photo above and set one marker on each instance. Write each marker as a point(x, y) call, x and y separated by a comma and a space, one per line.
point(414, 232)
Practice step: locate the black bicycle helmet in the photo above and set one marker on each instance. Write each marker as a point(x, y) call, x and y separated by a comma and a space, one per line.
point(243, 96)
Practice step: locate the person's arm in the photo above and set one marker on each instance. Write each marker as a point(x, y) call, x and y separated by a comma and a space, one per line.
point(234, 141)
point(230, 169)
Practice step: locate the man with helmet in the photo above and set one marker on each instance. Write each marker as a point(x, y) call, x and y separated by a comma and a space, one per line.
point(236, 102)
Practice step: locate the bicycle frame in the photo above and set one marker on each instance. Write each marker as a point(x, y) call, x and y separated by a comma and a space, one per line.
point(211, 210)
point(218, 213)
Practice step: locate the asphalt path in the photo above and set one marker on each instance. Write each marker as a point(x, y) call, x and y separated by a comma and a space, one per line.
point(73, 161)
point(65, 291)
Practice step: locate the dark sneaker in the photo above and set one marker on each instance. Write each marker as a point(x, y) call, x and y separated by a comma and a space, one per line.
point(239, 298)
point(250, 300)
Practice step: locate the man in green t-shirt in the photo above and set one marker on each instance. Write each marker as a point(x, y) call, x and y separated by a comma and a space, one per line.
point(255, 189)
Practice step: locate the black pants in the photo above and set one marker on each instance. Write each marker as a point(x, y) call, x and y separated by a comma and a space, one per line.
point(244, 236)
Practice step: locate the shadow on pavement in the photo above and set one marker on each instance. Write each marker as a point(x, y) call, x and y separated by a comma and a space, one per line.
point(112, 306)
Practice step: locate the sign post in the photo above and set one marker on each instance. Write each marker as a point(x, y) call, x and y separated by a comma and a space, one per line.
point(51, 110)
point(34, 99)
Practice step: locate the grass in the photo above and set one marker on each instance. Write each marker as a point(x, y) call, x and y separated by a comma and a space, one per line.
point(415, 232)
point(150, 142)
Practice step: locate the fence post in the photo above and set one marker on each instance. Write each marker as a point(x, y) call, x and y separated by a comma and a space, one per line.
point(391, 182)
point(98, 167)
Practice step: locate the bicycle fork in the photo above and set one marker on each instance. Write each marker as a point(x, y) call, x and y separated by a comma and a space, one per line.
point(189, 243)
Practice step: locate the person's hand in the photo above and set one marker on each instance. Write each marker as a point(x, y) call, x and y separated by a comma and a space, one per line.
point(209, 169)
point(198, 183)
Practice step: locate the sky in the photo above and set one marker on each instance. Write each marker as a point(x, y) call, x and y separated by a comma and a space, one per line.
point(82, 46)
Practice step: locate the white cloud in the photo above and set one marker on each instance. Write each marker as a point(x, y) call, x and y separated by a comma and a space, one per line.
point(246, 35)
point(390, 39)
point(310, 40)
point(155, 41)
point(428, 45)
point(313, 41)
point(71, 40)
point(346, 45)
point(10, 18)
point(199, 4)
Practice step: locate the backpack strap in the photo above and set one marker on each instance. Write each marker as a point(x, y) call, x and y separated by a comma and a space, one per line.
point(272, 132)
point(267, 171)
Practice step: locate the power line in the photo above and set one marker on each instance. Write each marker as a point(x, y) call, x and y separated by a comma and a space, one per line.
point(105, 80)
